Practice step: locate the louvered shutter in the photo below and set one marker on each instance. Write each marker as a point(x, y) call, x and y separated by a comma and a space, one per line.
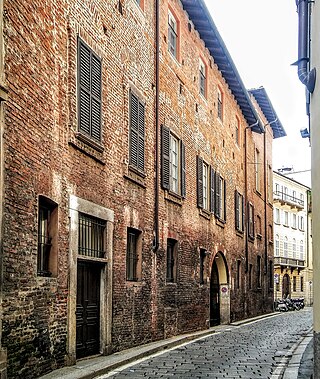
point(217, 190)
point(183, 169)
point(134, 130)
point(211, 190)
point(236, 209)
point(89, 73)
point(95, 97)
point(200, 181)
point(141, 129)
point(165, 166)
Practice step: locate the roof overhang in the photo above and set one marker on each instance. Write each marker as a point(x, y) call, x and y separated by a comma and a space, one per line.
point(202, 20)
point(265, 104)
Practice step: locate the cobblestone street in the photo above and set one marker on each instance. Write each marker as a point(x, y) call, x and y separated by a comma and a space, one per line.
point(254, 350)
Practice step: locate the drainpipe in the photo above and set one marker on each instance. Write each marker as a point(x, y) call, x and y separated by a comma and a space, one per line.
point(308, 78)
point(156, 203)
point(246, 195)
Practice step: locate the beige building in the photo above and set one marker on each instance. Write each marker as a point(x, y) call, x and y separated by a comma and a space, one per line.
point(292, 239)
point(308, 65)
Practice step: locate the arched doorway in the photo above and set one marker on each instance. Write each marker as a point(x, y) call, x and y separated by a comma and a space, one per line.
point(285, 286)
point(219, 291)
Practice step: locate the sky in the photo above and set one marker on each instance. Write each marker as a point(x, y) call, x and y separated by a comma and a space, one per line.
point(262, 39)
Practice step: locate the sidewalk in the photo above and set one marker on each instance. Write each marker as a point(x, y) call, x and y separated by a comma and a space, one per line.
point(93, 367)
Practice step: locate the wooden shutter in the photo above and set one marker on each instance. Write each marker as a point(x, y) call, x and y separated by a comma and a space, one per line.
point(134, 130)
point(141, 129)
point(200, 181)
point(183, 168)
point(217, 191)
point(211, 190)
point(165, 166)
point(236, 209)
point(89, 83)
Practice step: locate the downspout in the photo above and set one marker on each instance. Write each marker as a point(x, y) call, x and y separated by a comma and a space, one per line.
point(246, 195)
point(308, 78)
point(156, 203)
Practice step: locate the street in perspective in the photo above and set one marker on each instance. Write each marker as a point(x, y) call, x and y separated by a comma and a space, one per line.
point(258, 349)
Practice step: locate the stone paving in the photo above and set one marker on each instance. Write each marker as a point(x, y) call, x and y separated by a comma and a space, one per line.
point(248, 351)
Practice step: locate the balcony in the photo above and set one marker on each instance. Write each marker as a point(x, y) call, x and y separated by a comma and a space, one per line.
point(285, 199)
point(289, 262)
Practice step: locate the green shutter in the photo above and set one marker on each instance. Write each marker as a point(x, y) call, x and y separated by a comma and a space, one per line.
point(211, 190)
point(183, 169)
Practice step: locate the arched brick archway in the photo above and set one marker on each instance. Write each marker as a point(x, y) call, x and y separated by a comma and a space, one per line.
point(219, 291)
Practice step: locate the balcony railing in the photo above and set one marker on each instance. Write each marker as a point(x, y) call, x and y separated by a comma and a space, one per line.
point(288, 199)
point(289, 262)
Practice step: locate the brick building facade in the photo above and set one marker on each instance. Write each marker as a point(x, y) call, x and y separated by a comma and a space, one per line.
point(128, 158)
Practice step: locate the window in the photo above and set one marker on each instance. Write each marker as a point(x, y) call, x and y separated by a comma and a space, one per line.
point(203, 255)
point(301, 223)
point(251, 220)
point(294, 221)
point(285, 193)
point(250, 276)
point(171, 260)
point(202, 78)
point(239, 211)
point(301, 250)
point(259, 227)
point(172, 35)
point(301, 284)
point(89, 92)
point(257, 169)
point(133, 257)
point(220, 197)
point(258, 271)
point(173, 163)
point(294, 284)
point(277, 246)
point(237, 131)
point(238, 273)
point(294, 248)
point(205, 185)
point(91, 236)
point(136, 135)
point(47, 233)
point(220, 104)
point(294, 195)
point(286, 218)
point(277, 189)
point(277, 216)
point(285, 247)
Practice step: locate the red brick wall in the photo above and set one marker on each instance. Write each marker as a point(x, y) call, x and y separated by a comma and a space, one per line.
point(44, 157)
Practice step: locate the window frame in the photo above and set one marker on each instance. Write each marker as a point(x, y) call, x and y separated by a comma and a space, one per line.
point(46, 237)
point(277, 246)
point(202, 78)
point(171, 260)
point(220, 104)
point(251, 220)
point(173, 34)
point(257, 170)
point(133, 255)
point(167, 155)
point(220, 197)
point(239, 211)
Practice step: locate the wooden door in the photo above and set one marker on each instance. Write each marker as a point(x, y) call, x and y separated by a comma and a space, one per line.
point(88, 309)
point(214, 296)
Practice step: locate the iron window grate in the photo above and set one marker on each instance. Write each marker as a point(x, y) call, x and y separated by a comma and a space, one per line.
point(91, 236)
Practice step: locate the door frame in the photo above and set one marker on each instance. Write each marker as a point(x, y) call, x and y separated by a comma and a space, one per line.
point(76, 206)
point(224, 287)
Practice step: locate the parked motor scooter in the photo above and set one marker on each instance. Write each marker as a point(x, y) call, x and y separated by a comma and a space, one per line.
point(281, 305)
